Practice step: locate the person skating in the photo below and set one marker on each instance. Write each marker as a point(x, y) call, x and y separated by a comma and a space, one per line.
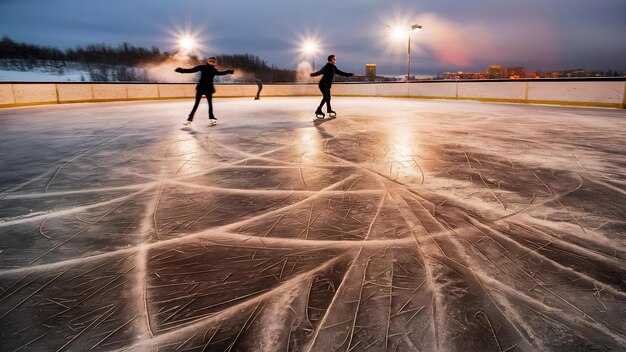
point(205, 86)
point(260, 86)
point(328, 71)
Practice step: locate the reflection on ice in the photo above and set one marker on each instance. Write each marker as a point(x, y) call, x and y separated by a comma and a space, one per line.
point(404, 153)
point(443, 226)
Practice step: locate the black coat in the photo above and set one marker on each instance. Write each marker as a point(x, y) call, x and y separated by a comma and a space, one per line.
point(207, 73)
point(328, 71)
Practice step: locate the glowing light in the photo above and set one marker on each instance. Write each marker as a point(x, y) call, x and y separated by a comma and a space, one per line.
point(187, 40)
point(187, 44)
point(309, 48)
point(401, 32)
point(395, 30)
point(398, 33)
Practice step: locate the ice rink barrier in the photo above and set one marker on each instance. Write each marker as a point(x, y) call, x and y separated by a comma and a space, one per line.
point(599, 92)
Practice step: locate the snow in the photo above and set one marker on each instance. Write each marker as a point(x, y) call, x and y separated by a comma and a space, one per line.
point(38, 76)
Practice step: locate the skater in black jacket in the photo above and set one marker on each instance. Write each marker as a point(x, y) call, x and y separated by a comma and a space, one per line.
point(328, 72)
point(205, 86)
point(260, 86)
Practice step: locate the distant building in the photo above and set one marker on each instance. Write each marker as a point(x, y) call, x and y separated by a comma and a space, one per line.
point(450, 75)
point(497, 71)
point(515, 72)
point(370, 71)
point(463, 75)
point(579, 72)
point(494, 71)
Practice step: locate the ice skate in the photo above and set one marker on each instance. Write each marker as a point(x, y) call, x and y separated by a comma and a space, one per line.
point(319, 114)
point(187, 123)
point(212, 120)
point(331, 113)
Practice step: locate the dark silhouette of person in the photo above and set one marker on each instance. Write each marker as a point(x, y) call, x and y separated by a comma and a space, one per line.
point(260, 85)
point(205, 86)
point(328, 73)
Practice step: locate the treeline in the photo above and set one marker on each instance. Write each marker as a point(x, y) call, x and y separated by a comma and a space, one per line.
point(123, 54)
point(256, 67)
point(123, 63)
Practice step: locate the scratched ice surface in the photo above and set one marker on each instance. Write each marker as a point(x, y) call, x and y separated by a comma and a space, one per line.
point(402, 225)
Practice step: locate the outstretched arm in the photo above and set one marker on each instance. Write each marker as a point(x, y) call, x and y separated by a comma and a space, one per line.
point(321, 71)
point(187, 70)
point(341, 73)
point(227, 72)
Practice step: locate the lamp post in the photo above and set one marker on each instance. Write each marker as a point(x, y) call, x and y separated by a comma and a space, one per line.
point(414, 28)
point(310, 48)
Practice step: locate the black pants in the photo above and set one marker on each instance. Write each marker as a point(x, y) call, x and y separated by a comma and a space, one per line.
point(209, 99)
point(325, 89)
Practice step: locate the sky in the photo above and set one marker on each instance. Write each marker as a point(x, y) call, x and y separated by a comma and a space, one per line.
point(457, 35)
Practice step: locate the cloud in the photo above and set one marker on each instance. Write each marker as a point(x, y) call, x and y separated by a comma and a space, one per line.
point(474, 44)
point(457, 34)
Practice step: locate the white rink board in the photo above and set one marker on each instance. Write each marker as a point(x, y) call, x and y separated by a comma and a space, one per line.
point(493, 90)
point(599, 93)
point(606, 92)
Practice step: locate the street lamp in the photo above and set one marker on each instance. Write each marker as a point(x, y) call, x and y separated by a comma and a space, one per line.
point(310, 48)
point(400, 33)
point(414, 28)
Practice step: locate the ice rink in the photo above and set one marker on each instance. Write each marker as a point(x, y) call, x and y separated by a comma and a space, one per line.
point(401, 225)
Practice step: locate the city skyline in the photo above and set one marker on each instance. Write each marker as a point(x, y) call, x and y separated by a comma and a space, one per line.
point(558, 35)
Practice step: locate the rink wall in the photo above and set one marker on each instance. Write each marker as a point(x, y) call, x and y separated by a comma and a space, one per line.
point(602, 93)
